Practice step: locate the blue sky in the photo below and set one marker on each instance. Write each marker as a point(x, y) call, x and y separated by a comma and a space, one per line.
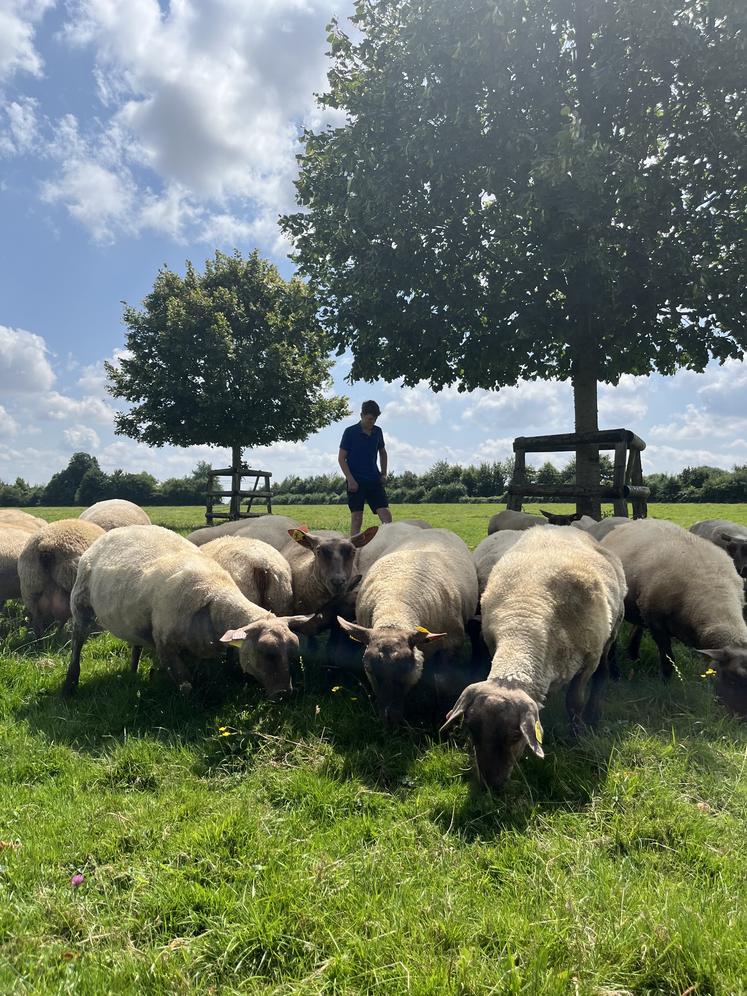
point(134, 134)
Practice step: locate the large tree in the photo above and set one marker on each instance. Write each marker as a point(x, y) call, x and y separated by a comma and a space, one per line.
point(531, 188)
point(234, 356)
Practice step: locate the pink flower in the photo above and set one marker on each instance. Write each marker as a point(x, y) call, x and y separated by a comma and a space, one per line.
point(77, 880)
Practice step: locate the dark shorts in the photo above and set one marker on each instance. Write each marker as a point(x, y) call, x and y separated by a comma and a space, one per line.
point(371, 492)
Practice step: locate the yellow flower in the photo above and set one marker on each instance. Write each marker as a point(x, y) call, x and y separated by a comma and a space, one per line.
point(709, 673)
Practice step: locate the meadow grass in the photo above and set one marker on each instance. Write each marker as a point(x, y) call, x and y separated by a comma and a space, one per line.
point(231, 845)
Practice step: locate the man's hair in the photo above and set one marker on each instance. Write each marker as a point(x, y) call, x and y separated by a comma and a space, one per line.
point(370, 408)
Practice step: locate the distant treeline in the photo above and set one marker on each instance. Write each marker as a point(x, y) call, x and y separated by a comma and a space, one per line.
point(83, 482)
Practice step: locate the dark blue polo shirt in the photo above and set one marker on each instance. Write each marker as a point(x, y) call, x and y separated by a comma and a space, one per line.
point(362, 451)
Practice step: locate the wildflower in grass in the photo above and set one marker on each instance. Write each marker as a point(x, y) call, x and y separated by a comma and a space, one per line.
point(708, 673)
point(77, 880)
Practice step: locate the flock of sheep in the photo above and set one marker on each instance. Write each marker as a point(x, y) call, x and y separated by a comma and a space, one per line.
point(542, 606)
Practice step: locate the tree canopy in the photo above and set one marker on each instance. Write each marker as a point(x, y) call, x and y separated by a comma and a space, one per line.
point(234, 356)
point(531, 188)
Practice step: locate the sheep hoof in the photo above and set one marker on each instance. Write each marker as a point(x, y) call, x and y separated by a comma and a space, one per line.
point(185, 688)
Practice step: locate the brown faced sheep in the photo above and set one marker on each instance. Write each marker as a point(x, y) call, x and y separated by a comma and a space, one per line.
point(323, 563)
point(47, 568)
point(147, 585)
point(510, 519)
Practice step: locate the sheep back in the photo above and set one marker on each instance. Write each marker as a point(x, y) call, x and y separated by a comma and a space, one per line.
point(115, 512)
point(21, 520)
point(261, 572)
point(12, 542)
point(511, 519)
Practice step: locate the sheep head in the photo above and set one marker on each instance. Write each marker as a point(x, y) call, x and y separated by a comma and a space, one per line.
point(393, 662)
point(334, 558)
point(502, 722)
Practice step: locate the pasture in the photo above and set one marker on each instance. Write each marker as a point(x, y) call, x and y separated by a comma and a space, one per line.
point(230, 845)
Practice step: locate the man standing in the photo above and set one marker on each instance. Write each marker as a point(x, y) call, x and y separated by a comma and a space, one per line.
point(360, 446)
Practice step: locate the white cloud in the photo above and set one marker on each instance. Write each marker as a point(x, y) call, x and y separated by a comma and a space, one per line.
point(22, 128)
point(62, 408)
point(24, 366)
point(82, 436)
point(623, 404)
point(723, 389)
point(18, 21)
point(414, 403)
point(538, 403)
point(205, 100)
point(8, 425)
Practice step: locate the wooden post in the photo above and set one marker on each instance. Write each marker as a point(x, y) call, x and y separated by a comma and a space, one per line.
point(235, 506)
point(518, 479)
point(619, 505)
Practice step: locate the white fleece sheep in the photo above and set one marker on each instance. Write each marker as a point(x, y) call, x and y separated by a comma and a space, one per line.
point(147, 585)
point(422, 593)
point(730, 536)
point(12, 542)
point(682, 587)
point(47, 568)
point(272, 529)
point(262, 574)
point(323, 564)
point(387, 539)
point(115, 512)
point(510, 519)
point(550, 614)
point(605, 526)
point(488, 552)
point(21, 520)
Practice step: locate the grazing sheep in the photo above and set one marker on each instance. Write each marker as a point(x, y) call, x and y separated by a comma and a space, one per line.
point(147, 585)
point(12, 542)
point(550, 612)
point(272, 529)
point(509, 519)
point(262, 574)
point(487, 553)
point(323, 564)
point(585, 522)
point(47, 567)
point(730, 536)
point(427, 584)
point(603, 528)
point(387, 539)
point(21, 520)
point(682, 587)
point(115, 512)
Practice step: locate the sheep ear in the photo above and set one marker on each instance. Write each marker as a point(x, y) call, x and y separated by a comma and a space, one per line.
point(308, 625)
point(422, 635)
point(716, 655)
point(358, 633)
point(531, 730)
point(453, 718)
point(547, 515)
point(302, 535)
point(726, 537)
point(234, 637)
point(361, 539)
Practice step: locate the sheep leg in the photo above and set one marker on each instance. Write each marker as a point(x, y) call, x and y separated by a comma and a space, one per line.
point(175, 666)
point(135, 652)
point(664, 646)
point(613, 667)
point(634, 647)
point(574, 702)
point(80, 634)
point(593, 708)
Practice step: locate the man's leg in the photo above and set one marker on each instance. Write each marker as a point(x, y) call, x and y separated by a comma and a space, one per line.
point(356, 521)
point(384, 514)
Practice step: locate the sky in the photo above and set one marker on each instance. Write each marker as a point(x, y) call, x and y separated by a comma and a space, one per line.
point(135, 134)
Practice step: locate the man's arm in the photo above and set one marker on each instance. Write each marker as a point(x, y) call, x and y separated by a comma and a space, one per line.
point(383, 461)
point(342, 459)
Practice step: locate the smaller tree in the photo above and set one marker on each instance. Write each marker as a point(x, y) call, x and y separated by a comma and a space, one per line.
point(62, 486)
point(234, 356)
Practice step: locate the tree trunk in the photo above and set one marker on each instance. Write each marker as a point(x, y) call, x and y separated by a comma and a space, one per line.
point(235, 509)
point(585, 412)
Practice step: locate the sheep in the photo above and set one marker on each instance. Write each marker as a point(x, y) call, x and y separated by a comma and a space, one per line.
point(601, 529)
point(420, 523)
point(681, 587)
point(730, 536)
point(115, 512)
point(47, 567)
point(262, 574)
point(322, 563)
point(509, 519)
point(147, 585)
point(487, 553)
point(551, 610)
point(21, 520)
point(559, 519)
point(272, 529)
point(419, 595)
point(12, 542)
point(387, 539)
point(585, 522)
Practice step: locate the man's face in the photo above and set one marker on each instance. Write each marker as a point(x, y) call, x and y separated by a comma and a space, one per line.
point(368, 420)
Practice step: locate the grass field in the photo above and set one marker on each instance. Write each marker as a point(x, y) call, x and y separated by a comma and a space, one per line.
point(229, 845)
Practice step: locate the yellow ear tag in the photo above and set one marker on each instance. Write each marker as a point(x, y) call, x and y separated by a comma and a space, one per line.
point(354, 638)
point(236, 643)
point(422, 629)
point(538, 732)
point(298, 535)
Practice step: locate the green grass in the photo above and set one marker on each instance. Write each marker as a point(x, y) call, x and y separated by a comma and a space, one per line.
point(310, 851)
